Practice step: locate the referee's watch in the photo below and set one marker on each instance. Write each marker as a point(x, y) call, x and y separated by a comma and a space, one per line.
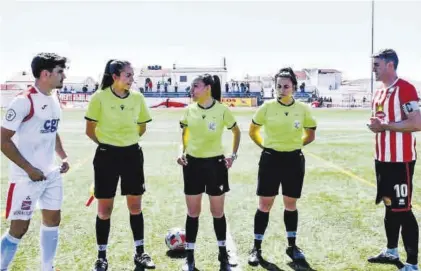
point(234, 156)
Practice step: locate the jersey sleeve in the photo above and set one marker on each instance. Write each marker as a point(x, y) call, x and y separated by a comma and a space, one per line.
point(409, 99)
point(229, 119)
point(18, 109)
point(144, 115)
point(184, 119)
point(309, 120)
point(94, 108)
point(259, 117)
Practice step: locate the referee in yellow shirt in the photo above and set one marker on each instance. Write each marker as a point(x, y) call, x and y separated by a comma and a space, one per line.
point(205, 168)
point(115, 119)
point(288, 126)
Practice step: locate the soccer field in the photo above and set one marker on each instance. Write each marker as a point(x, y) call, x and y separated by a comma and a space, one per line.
point(339, 225)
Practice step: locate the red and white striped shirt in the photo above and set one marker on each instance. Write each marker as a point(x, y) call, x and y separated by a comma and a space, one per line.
point(387, 105)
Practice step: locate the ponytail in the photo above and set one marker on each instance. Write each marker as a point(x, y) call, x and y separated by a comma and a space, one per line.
point(214, 82)
point(107, 78)
point(216, 88)
point(113, 67)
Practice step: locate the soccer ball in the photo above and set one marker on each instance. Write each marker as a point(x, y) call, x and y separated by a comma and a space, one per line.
point(175, 239)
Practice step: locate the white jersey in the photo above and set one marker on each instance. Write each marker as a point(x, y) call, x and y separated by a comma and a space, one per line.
point(34, 117)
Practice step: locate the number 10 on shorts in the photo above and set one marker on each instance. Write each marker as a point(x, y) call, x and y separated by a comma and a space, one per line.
point(401, 190)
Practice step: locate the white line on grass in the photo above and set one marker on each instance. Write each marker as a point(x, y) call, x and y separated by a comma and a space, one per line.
point(233, 249)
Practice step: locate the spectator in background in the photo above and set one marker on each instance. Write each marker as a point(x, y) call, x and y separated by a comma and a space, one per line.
point(302, 87)
point(242, 86)
point(227, 87)
point(165, 87)
point(176, 87)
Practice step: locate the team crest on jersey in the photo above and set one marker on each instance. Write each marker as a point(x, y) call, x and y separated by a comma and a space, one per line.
point(10, 115)
point(212, 126)
point(380, 115)
point(26, 204)
point(297, 124)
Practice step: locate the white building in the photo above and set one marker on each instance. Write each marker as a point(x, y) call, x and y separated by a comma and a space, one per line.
point(324, 78)
point(24, 79)
point(183, 76)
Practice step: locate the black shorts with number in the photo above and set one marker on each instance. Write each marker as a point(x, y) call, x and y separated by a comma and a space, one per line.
point(208, 175)
point(112, 163)
point(281, 168)
point(394, 181)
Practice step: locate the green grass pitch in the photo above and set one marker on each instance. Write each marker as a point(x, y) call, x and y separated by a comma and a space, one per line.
point(339, 225)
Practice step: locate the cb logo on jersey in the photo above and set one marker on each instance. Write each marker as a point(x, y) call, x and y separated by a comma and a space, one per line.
point(50, 126)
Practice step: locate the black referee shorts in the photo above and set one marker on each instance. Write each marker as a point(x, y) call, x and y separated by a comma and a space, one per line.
point(112, 163)
point(394, 181)
point(281, 168)
point(208, 175)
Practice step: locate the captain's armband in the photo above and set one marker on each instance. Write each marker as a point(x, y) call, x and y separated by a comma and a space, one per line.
point(410, 107)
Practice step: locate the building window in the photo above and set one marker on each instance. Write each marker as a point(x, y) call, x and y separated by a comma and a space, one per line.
point(183, 78)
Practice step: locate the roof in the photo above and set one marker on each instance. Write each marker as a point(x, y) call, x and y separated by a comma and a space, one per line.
point(10, 87)
point(328, 71)
point(144, 72)
point(21, 77)
point(301, 75)
point(28, 77)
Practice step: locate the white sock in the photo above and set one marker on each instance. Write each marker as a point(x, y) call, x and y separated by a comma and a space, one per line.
point(393, 251)
point(413, 266)
point(189, 246)
point(49, 242)
point(9, 246)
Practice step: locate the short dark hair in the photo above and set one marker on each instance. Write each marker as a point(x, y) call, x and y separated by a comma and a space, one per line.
point(287, 73)
point(388, 55)
point(214, 82)
point(113, 66)
point(46, 61)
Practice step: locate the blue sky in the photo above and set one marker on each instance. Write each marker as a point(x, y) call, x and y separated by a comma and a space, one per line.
point(255, 37)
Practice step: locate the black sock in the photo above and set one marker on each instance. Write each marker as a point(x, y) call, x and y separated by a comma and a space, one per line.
point(261, 220)
point(102, 232)
point(190, 255)
point(220, 227)
point(410, 236)
point(291, 225)
point(192, 226)
point(392, 225)
point(137, 225)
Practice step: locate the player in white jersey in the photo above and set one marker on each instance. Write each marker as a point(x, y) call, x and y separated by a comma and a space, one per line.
point(30, 140)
